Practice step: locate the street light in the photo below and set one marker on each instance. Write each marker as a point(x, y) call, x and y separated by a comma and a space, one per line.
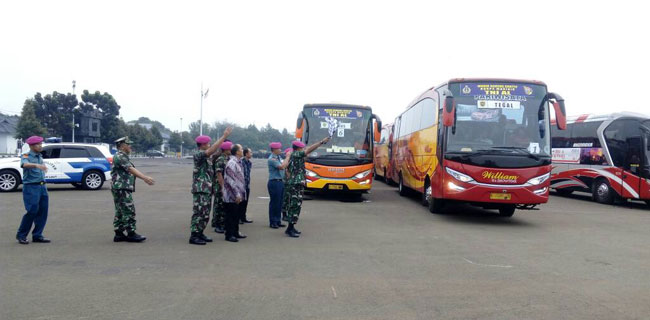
point(181, 131)
point(203, 96)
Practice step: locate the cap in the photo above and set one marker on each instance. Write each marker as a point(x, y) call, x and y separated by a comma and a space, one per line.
point(203, 139)
point(123, 140)
point(226, 145)
point(275, 145)
point(298, 144)
point(34, 140)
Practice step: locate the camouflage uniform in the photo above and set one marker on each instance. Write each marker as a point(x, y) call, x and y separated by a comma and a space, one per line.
point(295, 185)
point(285, 201)
point(122, 187)
point(202, 181)
point(218, 217)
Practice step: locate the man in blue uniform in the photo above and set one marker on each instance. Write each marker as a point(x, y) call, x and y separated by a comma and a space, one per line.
point(35, 194)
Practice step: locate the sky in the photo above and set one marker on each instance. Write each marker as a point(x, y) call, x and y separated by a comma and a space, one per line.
point(263, 60)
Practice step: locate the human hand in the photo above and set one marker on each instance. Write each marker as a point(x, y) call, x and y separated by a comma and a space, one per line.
point(149, 180)
point(227, 132)
point(42, 167)
point(238, 200)
point(325, 140)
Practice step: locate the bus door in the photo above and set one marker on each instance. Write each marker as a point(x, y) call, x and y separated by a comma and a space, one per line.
point(624, 142)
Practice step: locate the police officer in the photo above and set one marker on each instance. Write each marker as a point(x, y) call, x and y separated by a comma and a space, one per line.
point(219, 210)
point(123, 174)
point(35, 195)
point(202, 186)
point(296, 182)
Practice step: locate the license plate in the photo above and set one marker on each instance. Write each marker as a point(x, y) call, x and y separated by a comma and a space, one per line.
point(500, 196)
point(336, 187)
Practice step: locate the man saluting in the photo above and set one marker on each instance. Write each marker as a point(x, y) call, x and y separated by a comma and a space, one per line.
point(123, 174)
point(296, 182)
point(202, 186)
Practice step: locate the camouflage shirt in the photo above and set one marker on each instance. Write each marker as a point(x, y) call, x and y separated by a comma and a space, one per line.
point(121, 178)
point(219, 166)
point(203, 173)
point(296, 168)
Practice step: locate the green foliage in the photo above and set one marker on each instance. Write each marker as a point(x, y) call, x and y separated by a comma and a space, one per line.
point(175, 141)
point(249, 136)
point(29, 125)
point(55, 112)
point(110, 123)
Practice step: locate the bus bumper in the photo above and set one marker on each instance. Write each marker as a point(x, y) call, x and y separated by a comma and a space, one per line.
point(324, 184)
point(467, 192)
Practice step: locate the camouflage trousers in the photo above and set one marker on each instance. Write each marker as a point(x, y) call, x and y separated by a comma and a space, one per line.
point(285, 202)
point(296, 192)
point(201, 209)
point(219, 210)
point(124, 211)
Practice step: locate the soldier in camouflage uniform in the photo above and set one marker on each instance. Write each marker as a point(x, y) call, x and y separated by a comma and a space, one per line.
point(296, 182)
point(202, 186)
point(219, 210)
point(285, 193)
point(123, 174)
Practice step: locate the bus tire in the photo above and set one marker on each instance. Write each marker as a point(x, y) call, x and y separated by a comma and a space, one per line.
point(647, 202)
point(507, 211)
point(602, 192)
point(402, 189)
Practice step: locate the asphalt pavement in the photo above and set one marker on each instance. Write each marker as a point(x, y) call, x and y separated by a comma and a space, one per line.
point(383, 257)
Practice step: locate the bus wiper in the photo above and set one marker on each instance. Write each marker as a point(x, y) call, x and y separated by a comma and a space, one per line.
point(521, 149)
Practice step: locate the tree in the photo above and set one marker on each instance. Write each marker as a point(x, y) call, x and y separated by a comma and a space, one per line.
point(55, 111)
point(156, 138)
point(188, 141)
point(29, 125)
point(175, 141)
point(106, 104)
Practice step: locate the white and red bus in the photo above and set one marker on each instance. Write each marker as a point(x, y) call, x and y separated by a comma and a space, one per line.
point(481, 141)
point(605, 155)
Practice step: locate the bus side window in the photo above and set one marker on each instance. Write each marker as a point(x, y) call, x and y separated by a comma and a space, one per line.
point(623, 138)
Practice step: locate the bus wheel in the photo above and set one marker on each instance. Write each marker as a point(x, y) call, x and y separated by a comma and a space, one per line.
point(602, 192)
point(402, 189)
point(647, 202)
point(435, 205)
point(507, 211)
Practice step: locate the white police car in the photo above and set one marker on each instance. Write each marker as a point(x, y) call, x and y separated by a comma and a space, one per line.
point(84, 166)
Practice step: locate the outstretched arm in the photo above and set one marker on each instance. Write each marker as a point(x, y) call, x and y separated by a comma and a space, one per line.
point(149, 180)
point(314, 146)
point(218, 143)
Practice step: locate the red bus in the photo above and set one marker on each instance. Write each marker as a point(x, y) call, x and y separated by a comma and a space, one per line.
point(605, 155)
point(481, 141)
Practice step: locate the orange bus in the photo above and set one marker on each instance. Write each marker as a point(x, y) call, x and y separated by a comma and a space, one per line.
point(345, 163)
point(481, 141)
point(382, 152)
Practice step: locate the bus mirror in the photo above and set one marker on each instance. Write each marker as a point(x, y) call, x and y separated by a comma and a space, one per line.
point(300, 126)
point(376, 128)
point(448, 111)
point(560, 110)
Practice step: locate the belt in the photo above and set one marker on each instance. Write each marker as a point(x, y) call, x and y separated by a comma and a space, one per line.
point(35, 183)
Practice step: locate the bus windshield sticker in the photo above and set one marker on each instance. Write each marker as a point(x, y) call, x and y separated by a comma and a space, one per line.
point(491, 104)
point(497, 91)
point(337, 149)
point(337, 113)
point(533, 147)
point(340, 132)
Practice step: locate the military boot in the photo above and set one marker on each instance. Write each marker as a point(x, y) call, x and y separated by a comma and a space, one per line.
point(291, 232)
point(195, 238)
point(296, 230)
point(204, 237)
point(219, 229)
point(119, 236)
point(134, 237)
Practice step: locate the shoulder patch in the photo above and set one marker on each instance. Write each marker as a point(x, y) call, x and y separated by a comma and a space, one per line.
point(25, 155)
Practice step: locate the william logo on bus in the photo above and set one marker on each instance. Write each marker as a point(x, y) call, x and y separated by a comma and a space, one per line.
point(499, 177)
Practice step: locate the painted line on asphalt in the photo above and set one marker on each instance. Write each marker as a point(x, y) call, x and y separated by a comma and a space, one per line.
point(334, 292)
point(487, 265)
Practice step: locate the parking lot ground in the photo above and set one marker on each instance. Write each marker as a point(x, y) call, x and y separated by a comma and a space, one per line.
point(385, 257)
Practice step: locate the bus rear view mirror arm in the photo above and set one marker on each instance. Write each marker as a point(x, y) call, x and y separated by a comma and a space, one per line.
point(560, 110)
point(377, 128)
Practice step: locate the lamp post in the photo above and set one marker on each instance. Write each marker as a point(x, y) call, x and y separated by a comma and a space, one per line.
point(181, 131)
point(74, 85)
point(203, 96)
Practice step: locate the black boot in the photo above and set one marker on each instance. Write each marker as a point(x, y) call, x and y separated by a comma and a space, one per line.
point(291, 232)
point(296, 230)
point(196, 239)
point(219, 229)
point(119, 236)
point(134, 237)
point(204, 237)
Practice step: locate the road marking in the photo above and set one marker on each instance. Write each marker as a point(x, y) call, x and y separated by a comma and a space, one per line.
point(487, 265)
point(334, 292)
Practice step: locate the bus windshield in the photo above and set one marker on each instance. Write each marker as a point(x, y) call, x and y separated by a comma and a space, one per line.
point(500, 117)
point(349, 128)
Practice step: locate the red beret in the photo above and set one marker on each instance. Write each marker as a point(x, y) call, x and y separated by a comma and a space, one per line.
point(34, 140)
point(298, 144)
point(226, 145)
point(203, 139)
point(275, 145)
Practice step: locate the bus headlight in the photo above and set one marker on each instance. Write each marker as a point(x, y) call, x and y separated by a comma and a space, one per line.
point(459, 176)
point(362, 175)
point(311, 174)
point(539, 180)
